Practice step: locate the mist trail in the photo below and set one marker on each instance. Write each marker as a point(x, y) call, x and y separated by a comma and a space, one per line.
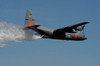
point(13, 32)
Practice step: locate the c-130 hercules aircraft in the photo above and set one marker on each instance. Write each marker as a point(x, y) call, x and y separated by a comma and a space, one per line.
point(67, 33)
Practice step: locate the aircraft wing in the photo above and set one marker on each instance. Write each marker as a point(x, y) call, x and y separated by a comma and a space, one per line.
point(76, 25)
point(70, 28)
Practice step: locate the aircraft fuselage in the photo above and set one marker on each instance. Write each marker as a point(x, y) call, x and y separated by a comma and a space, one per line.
point(58, 34)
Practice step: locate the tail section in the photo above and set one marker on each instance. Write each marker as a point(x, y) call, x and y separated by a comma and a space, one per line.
point(29, 19)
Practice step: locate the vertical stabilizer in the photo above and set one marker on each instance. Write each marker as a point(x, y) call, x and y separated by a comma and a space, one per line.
point(29, 19)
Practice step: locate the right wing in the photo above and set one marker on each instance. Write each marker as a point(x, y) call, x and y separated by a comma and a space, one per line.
point(70, 28)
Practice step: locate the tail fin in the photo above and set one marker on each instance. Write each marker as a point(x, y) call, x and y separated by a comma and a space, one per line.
point(29, 19)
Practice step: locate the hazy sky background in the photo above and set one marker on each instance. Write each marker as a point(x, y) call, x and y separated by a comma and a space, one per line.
point(53, 14)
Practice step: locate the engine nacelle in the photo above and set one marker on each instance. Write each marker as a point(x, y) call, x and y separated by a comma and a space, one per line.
point(80, 28)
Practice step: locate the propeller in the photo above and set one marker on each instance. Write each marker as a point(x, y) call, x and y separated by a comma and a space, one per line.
point(83, 29)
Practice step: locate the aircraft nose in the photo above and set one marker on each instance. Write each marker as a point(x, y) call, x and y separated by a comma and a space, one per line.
point(82, 36)
point(85, 37)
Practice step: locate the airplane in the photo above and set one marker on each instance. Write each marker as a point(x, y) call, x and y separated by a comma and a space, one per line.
point(73, 32)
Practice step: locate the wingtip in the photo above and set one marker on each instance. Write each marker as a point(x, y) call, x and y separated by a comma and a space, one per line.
point(86, 22)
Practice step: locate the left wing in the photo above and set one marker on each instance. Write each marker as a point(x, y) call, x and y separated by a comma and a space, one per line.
point(79, 27)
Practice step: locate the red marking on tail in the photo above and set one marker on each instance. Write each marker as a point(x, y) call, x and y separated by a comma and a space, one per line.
point(76, 36)
point(35, 23)
point(30, 24)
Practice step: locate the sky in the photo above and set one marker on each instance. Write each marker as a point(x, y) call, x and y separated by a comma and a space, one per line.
point(53, 14)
